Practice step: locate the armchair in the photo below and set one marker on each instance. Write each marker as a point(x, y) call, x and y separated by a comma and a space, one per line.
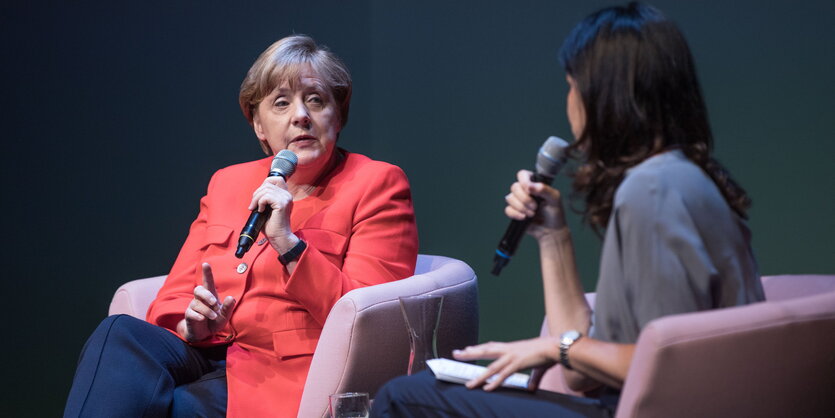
point(364, 342)
point(775, 358)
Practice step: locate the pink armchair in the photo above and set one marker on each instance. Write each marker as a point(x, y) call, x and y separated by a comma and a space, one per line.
point(364, 342)
point(775, 358)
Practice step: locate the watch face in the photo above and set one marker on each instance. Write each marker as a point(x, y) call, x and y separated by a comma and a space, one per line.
point(569, 337)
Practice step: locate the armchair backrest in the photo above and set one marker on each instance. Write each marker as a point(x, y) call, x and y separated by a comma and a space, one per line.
point(790, 286)
point(365, 343)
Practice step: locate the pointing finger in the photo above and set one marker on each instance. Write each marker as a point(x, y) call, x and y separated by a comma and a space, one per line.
point(209, 280)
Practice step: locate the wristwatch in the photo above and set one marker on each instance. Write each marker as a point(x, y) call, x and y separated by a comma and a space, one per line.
point(293, 254)
point(566, 340)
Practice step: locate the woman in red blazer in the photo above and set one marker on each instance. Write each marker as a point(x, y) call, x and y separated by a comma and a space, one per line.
point(248, 327)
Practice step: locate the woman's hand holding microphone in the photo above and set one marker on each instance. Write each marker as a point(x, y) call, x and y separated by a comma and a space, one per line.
point(522, 203)
point(273, 193)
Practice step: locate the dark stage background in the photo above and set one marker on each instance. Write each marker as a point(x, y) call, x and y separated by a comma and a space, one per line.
point(115, 114)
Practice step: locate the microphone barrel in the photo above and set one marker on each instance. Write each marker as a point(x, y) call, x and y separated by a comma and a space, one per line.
point(542, 178)
point(514, 233)
point(250, 231)
point(243, 247)
point(508, 244)
point(499, 261)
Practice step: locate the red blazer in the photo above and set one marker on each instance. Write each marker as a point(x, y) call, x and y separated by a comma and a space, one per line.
point(360, 230)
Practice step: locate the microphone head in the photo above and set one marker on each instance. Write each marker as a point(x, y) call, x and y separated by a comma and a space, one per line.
point(551, 157)
point(284, 164)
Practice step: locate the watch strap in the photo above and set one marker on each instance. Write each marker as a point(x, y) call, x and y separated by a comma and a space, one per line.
point(293, 254)
point(567, 339)
point(564, 356)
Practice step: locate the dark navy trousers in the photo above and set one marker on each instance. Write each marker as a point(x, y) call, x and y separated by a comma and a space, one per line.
point(421, 395)
point(130, 368)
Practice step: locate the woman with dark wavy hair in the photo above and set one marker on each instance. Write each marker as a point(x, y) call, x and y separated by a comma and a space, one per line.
point(675, 240)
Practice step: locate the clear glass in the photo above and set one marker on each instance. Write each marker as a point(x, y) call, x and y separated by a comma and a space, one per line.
point(422, 314)
point(349, 405)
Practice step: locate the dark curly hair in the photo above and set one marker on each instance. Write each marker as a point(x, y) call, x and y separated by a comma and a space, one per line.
point(637, 80)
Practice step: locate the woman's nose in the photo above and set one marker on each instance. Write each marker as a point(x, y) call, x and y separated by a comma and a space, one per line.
point(301, 117)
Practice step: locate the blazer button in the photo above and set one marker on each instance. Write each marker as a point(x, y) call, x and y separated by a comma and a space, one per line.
point(241, 268)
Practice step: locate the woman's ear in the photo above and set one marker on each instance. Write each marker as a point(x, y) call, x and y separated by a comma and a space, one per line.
point(259, 132)
point(257, 127)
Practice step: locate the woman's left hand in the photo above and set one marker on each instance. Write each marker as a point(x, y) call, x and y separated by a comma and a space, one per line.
point(510, 358)
point(273, 193)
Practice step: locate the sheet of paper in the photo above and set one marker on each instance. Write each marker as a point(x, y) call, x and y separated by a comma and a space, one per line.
point(459, 372)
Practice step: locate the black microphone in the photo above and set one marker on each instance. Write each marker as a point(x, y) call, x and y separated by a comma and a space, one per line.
point(549, 161)
point(284, 164)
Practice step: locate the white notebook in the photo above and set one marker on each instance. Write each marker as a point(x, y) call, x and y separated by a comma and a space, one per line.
point(458, 372)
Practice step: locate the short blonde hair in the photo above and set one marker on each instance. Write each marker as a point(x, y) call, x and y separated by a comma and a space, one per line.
point(283, 61)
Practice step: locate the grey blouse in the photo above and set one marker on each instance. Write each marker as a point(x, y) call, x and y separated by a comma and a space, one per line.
point(672, 245)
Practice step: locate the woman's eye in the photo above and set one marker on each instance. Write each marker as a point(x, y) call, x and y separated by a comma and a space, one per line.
point(315, 99)
point(281, 102)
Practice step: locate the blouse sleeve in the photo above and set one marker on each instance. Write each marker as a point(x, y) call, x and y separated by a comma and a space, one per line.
point(667, 268)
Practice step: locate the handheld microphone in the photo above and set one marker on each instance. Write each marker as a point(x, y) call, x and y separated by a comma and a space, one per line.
point(283, 165)
point(549, 161)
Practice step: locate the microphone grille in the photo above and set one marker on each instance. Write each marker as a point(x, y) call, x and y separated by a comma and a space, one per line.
point(551, 156)
point(284, 163)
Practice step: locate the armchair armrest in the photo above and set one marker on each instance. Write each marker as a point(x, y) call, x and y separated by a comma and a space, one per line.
point(133, 298)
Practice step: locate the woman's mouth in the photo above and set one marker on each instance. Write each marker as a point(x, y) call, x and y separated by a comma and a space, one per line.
point(303, 138)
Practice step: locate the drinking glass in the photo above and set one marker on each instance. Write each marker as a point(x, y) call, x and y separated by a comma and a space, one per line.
point(422, 314)
point(349, 405)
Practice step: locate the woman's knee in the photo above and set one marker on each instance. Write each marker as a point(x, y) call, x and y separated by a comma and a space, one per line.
point(120, 325)
point(123, 330)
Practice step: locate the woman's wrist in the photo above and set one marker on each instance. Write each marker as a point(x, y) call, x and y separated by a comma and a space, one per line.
point(285, 243)
point(554, 237)
point(553, 344)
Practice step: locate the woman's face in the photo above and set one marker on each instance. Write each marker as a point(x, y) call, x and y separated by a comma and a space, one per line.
point(574, 108)
point(303, 119)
